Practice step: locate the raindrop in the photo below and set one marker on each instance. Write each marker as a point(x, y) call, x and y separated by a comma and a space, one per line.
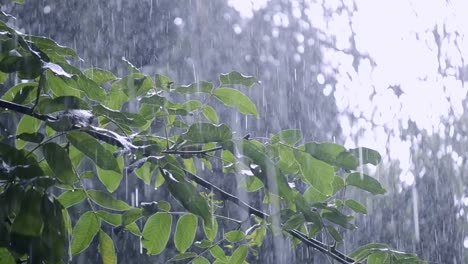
point(47, 9)
point(237, 29)
point(178, 22)
point(327, 90)
point(320, 78)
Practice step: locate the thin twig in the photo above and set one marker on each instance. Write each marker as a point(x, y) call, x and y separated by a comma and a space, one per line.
point(320, 246)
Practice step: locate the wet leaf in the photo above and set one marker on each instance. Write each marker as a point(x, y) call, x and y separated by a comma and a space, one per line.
point(234, 236)
point(364, 251)
point(119, 117)
point(131, 215)
point(6, 257)
point(318, 173)
point(59, 162)
point(211, 231)
point(210, 114)
point(199, 87)
point(56, 69)
point(200, 133)
point(356, 206)
point(294, 222)
point(200, 260)
point(162, 82)
point(156, 233)
point(335, 234)
point(71, 197)
point(22, 93)
point(86, 228)
point(99, 76)
point(94, 150)
point(107, 201)
point(236, 99)
point(368, 155)
point(312, 195)
point(218, 253)
point(239, 255)
point(106, 248)
point(27, 125)
point(31, 137)
point(327, 152)
point(289, 137)
point(185, 232)
point(365, 182)
point(29, 221)
point(237, 78)
point(335, 216)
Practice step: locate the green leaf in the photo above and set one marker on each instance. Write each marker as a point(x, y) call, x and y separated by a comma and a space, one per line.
point(237, 78)
point(6, 257)
point(199, 87)
point(335, 216)
point(94, 150)
point(289, 137)
point(251, 184)
point(210, 114)
point(31, 137)
point(131, 215)
point(84, 231)
point(218, 253)
point(294, 222)
point(318, 173)
point(53, 50)
point(59, 162)
point(236, 99)
point(154, 100)
point(234, 236)
point(61, 86)
point(123, 118)
point(106, 248)
point(201, 133)
point(356, 206)
point(156, 233)
point(211, 231)
point(48, 105)
point(29, 221)
point(99, 76)
point(200, 260)
point(113, 219)
point(133, 85)
point(145, 173)
point(365, 182)
point(27, 124)
point(186, 193)
point(107, 201)
point(192, 105)
point(347, 160)
point(18, 164)
point(368, 155)
point(239, 255)
point(379, 258)
point(312, 195)
point(162, 82)
point(71, 197)
point(364, 251)
point(22, 93)
point(335, 234)
point(327, 152)
point(185, 232)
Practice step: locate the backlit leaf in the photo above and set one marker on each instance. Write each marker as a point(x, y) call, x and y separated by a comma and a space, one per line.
point(84, 231)
point(365, 182)
point(236, 99)
point(156, 233)
point(107, 201)
point(185, 232)
point(106, 248)
point(72, 197)
point(237, 78)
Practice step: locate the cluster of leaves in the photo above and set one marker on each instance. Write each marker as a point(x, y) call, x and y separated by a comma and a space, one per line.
point(66, 116)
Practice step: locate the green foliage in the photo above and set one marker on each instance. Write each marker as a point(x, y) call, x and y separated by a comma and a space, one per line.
point(74, 119)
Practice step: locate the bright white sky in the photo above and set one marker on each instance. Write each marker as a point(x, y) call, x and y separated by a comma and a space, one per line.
point(398, 35)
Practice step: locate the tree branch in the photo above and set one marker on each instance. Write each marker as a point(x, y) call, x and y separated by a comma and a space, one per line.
point(320, 246)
